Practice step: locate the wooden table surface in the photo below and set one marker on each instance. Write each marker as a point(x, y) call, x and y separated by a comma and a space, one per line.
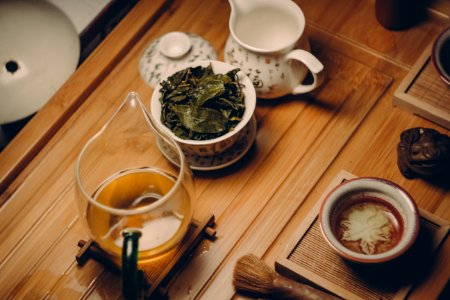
point(302, 143)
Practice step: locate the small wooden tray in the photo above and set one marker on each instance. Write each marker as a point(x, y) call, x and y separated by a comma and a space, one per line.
point(423, 92)
point(159, 273)
point(310, 259)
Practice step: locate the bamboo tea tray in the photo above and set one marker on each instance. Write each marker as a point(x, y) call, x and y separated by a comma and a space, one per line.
point(424, 93)
point(310, 259)
point(157, 274)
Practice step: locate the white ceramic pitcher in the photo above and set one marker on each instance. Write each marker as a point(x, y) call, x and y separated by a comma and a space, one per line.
point(268, 44)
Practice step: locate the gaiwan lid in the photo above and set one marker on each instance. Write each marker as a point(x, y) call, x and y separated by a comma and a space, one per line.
point(39, 50)
point(169, 51)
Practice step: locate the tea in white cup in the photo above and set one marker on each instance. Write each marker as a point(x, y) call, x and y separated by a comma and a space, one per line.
point(369, 220)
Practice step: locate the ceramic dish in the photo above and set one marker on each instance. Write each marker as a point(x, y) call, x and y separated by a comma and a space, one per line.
point(215, 146)
point(440, 55)
point(369, 220)
point(39, 50)
point(220, 161)
point(171, 50)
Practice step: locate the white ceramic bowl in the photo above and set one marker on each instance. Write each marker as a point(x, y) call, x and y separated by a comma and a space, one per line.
point(217, 145)
point(440, 55)
point(344, 218)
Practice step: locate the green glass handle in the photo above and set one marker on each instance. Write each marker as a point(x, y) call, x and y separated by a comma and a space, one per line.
point(131, 275)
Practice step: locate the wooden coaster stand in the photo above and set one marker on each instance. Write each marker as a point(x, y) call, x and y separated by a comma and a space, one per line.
point(158, 274)
point(424, 93)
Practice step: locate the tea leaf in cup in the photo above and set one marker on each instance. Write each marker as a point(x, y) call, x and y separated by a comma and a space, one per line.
point(201, 119)
point(198, 104)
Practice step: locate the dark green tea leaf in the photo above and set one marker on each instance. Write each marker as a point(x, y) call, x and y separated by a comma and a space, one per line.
point(209, 88)
point(198, 104)
point(201, 119)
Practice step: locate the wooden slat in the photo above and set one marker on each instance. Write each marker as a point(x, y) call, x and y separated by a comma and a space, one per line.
point(423, 92)
point(43, 213)
point(276, 204)
point(57, 259)
point(28, 219)
point(36, 204)
point(307, 257)
point(358, 155)
point(391, 45)
point(372, 149)
point(302, 142)
point(32, 138)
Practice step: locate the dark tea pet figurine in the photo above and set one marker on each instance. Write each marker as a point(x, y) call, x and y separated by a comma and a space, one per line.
point(423, 152)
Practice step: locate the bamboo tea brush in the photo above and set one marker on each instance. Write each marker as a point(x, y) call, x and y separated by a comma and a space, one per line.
point(252, 275)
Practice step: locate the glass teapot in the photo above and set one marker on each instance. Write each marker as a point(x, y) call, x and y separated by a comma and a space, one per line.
point(135, 204)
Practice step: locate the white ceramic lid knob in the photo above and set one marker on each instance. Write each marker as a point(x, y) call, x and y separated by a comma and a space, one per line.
point(175, 44)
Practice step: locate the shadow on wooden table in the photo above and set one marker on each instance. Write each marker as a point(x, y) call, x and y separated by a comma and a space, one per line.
point(442, 181)
point(242, 163)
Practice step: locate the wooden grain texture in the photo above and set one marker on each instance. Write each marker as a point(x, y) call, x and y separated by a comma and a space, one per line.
point(371, 151)
point(33, 137)
point(441, 7)
point(308, 146)
point(302, 143)
point(307, 257)
point(423, 92)
point(354, 19)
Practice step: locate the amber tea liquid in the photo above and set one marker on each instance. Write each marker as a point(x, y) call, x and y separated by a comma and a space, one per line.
point(161, 228)
point(368, 225)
